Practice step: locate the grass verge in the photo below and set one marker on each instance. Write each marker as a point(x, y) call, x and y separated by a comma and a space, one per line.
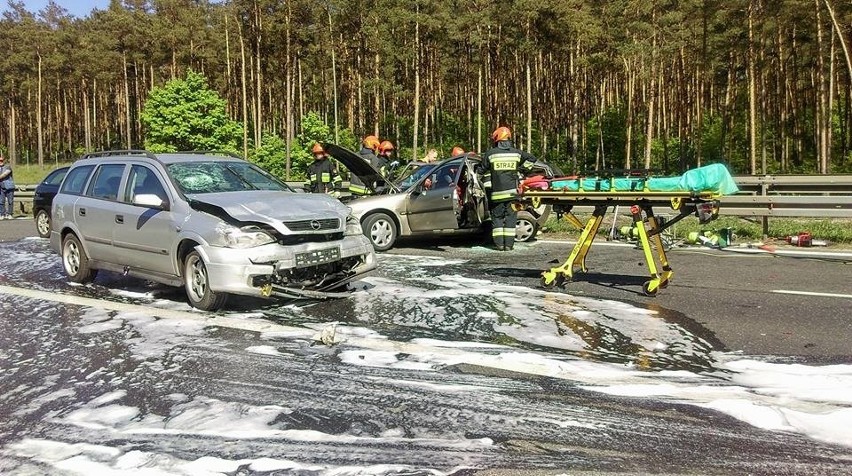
point(832, 230)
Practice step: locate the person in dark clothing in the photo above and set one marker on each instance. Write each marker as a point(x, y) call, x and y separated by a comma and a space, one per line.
point(370, 145)
point(503, 164)
point(322, 173)
point(7, 190)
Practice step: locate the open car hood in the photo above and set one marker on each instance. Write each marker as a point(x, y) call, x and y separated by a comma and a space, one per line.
point(372, 178)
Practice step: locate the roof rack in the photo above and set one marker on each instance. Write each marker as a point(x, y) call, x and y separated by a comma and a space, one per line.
point(209, 152)
point(107, 153)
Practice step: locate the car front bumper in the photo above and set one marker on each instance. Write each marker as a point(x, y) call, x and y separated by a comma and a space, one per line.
point(245, 271)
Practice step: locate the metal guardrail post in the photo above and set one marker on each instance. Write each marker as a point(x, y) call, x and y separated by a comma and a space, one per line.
point(764, 188)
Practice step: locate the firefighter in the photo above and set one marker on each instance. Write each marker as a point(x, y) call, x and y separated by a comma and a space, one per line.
point(456, 151)
point(504, 164)
point(369, 146)
point(322, 174)
point(386, 162)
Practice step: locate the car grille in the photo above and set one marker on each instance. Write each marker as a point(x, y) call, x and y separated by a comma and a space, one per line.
point(312, 238)
point(313, 225)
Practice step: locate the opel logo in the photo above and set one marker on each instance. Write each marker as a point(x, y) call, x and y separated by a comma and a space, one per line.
point(316, 225)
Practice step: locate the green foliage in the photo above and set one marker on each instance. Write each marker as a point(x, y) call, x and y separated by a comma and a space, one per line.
point(185, 114)
point(611, 146)
point(271, 155)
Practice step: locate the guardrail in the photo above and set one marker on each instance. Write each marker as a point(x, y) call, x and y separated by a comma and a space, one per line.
point(764, 196)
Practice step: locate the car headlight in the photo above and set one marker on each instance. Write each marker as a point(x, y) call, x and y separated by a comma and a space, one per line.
point(353, 226)
point(245, 237)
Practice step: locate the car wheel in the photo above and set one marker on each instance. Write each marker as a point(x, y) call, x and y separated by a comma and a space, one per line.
point(75, 261)
point(42, 220)
point(526, 228)
point(381, 230)
point(197, 284)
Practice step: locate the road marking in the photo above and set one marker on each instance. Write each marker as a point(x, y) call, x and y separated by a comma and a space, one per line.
point(256, 325)
point(808, 293)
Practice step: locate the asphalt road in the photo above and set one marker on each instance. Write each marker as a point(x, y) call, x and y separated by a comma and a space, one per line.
point(733, 297)
point(449, 360)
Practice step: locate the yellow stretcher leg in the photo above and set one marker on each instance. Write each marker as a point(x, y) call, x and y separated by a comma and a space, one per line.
point(558, 275)
point(658, 280)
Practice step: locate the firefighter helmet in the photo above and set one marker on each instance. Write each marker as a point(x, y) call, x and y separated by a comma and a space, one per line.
point(456, 151)
point(385, 146)
point(371, 142)
point(501, 133)
point(317, 149)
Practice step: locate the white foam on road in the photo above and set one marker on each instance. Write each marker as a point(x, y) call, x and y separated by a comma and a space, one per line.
point(813, 400)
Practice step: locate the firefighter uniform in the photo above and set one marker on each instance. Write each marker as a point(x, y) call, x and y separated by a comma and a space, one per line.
point(322, 176)
point(502, 166)
point(356, 186)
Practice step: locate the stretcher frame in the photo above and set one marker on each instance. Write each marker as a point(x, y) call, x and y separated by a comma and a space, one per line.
point(705, 205)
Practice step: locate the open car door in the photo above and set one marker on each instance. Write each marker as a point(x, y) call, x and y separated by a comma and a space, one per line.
point(473, 199)
point(433, 204)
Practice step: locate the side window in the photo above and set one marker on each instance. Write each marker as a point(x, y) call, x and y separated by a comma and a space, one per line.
point(106, 182)
point(445, 176)
point(143, 181)
point(76, 180)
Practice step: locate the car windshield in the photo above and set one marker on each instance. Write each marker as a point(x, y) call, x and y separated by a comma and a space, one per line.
point(222, 176)
point(412, 174)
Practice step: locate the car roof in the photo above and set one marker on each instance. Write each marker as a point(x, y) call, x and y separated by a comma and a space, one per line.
point(164, 158)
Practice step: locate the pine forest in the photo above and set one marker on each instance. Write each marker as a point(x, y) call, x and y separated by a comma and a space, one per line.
point(764, 86)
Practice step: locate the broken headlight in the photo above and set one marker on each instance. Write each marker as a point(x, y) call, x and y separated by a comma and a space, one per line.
point(246, 237)
point(353, 226)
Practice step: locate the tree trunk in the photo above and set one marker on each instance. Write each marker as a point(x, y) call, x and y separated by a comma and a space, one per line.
point(416, 79)
point(479, 113)
point(529, 106)
point(752, 91)
point(13, 128)
point(39, 130)
point(334, 82)
point(243, 87)
point(128, 125)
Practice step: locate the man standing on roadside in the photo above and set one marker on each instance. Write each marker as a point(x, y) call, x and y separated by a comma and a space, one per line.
point(504, 163)
point(7, 190)
point(322, 174)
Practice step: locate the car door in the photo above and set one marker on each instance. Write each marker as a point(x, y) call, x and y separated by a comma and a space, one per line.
point(145, 235)
point(433, 203)
point(94, 212)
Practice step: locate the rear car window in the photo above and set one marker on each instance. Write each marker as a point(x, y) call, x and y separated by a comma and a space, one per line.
point(76, 180)
point(55, 177)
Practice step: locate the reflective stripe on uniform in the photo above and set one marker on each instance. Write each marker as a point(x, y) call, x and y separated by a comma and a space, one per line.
point(503, 232)
point(326, 177)
point(502, 195)
point(358, 189)
point(507, 161)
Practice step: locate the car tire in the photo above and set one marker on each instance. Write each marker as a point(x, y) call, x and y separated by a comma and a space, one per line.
point(75, 261)
point(381, 230)
point(197, 284)
point(42, 222)
point(527, 227)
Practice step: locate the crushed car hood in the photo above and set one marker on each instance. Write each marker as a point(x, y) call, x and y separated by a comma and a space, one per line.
point(267, 206)
point(372, 178)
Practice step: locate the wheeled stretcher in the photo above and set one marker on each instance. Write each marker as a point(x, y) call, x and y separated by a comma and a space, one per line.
point(695, 193)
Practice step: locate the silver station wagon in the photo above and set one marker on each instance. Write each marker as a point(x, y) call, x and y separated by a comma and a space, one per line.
point(210, 222)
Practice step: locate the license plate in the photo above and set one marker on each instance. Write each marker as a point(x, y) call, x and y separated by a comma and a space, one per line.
point(313, 258)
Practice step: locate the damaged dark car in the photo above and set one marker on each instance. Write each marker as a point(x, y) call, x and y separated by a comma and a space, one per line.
point(210, 222)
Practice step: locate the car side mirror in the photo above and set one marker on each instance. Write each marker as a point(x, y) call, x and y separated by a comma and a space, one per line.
point(150, 200)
